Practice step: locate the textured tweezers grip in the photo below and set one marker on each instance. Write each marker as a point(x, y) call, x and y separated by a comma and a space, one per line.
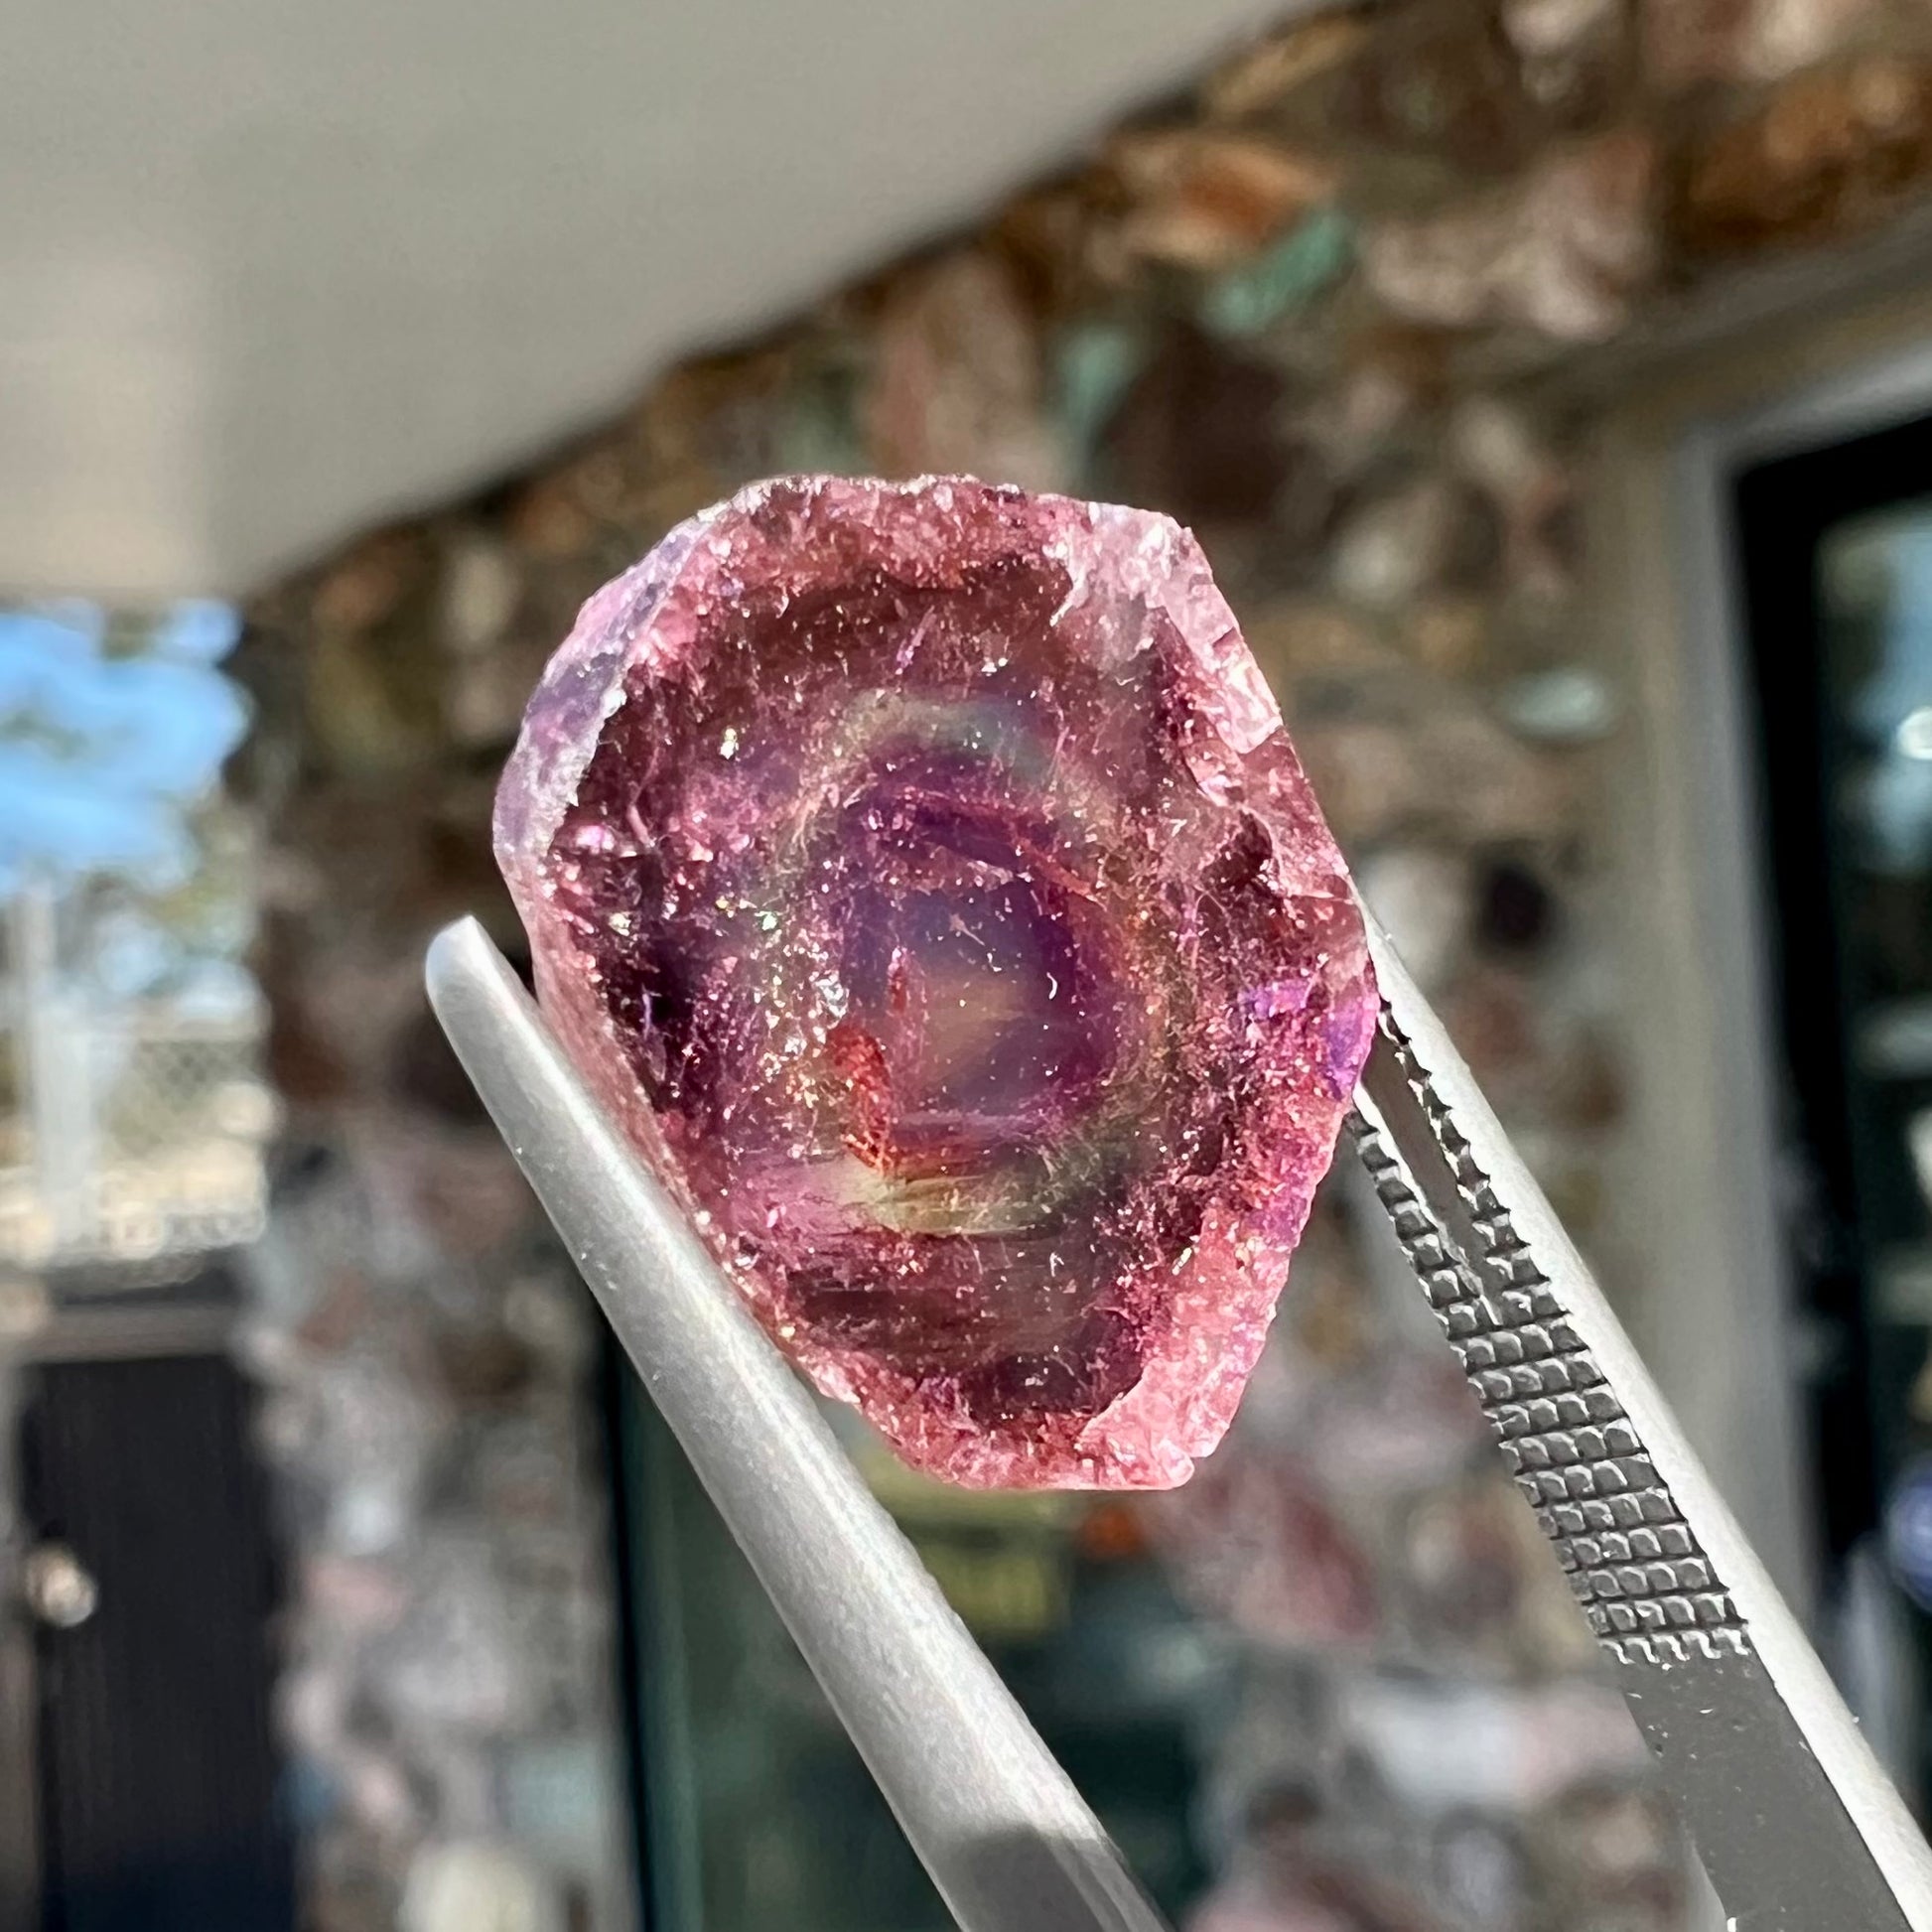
point(1633, 1561)
point(1797, 1826)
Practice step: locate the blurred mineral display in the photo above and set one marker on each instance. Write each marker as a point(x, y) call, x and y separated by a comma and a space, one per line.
point(1203, 200)
point(1831, 153)
point(1316, 304)
point(1571, 51)
point(1270, 71)
point(1560, 251)
point(957, 379)
point(1690, 43)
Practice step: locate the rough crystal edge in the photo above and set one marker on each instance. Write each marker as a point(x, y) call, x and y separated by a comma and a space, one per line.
point(583, 685)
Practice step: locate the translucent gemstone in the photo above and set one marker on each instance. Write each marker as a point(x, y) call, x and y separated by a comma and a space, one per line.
point(922, 877)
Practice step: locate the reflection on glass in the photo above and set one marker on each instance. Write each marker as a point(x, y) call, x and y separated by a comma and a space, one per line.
point(1874, 582)
point(1878, 595)
point(1876, 599)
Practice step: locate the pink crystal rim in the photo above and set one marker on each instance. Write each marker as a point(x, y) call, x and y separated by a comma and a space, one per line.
point(922, 875)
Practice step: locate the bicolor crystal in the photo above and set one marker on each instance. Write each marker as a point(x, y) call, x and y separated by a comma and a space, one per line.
point(922, 877)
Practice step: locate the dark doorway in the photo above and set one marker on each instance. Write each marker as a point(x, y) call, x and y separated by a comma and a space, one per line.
point(159, 1804)
point(1836, 554)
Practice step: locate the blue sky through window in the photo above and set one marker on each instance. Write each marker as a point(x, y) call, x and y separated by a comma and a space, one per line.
point(104, 749)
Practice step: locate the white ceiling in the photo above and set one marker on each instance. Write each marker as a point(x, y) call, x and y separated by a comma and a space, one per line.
point(271, 269)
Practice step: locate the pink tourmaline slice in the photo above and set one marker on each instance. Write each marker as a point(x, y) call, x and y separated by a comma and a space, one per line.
point(922, 877)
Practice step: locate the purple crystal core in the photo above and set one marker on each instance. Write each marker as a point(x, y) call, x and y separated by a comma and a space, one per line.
point(922, 877)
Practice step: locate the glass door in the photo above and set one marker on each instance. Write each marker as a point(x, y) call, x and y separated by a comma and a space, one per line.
point(1335, 1684)
point(1836, 547)
point(759, 1813)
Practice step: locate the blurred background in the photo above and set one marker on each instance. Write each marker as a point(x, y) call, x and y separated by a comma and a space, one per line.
point(1551, 384)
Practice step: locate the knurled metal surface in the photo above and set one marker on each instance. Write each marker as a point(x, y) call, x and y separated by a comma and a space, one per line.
point(1633, 1561)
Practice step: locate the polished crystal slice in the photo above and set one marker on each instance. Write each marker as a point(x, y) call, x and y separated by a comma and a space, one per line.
point(922, 877)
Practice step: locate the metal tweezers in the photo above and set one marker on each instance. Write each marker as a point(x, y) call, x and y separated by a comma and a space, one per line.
point(1797, 1827)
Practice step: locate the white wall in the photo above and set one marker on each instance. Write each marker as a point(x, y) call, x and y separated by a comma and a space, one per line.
point(270, 269)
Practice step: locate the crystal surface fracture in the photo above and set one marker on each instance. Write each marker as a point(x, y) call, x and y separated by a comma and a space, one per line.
point(921, 876)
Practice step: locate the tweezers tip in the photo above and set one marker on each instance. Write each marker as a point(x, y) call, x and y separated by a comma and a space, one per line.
point(455, 957)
